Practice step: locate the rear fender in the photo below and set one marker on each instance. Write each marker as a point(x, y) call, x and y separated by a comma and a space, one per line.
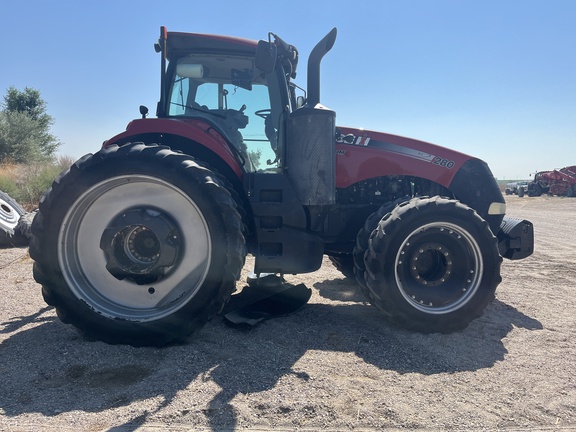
point(193, 132)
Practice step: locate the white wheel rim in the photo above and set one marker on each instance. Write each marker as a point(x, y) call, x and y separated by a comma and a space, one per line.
point(83, 262)
point(460, 276)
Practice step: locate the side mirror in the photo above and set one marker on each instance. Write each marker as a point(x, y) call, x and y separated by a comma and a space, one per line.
point(266, 56)
point(300, 101)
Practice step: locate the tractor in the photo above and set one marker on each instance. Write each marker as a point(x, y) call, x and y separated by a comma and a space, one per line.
point(560, 182)
point(143, 241)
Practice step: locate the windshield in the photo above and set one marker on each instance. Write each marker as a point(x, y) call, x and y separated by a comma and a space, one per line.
point(231, 94)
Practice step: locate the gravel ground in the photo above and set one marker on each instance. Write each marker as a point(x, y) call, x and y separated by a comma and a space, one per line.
point(335, 365)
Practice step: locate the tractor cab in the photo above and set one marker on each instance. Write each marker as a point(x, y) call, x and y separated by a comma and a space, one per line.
point(242, 90)
point(217, 80)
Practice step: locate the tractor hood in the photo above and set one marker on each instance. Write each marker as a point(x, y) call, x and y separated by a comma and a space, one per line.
point(363, 154)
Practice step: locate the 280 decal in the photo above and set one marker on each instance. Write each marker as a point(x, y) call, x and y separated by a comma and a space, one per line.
point(443, 162)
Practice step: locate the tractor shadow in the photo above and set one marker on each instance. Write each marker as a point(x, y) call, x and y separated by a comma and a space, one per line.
point(48, 368)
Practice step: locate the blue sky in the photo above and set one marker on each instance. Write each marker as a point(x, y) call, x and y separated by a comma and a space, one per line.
point(492, 78)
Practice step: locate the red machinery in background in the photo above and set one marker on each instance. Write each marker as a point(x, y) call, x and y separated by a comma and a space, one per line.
point(556, 182)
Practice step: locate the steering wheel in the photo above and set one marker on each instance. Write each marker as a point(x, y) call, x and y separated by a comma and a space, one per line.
point(263, 113)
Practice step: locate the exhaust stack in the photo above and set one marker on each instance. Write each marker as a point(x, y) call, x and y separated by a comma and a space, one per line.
point(314, 60)
point(311, 136)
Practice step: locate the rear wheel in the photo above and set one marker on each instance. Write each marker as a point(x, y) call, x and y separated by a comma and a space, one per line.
point(433, 265)
point(137, 245)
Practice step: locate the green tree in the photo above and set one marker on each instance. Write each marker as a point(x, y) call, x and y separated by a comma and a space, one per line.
point(25, 127)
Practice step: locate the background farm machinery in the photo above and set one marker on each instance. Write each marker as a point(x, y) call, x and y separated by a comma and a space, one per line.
point(560, 182)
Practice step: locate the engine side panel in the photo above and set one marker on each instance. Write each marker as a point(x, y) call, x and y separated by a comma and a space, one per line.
point(361, 155)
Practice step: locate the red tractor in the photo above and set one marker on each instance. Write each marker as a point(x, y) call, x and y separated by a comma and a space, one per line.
point(560, 182)
point(142, 242)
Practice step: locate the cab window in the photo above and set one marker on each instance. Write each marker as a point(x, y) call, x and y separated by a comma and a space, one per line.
point(236, 98)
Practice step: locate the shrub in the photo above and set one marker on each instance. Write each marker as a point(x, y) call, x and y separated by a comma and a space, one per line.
point(27, 182)
point(8, 181)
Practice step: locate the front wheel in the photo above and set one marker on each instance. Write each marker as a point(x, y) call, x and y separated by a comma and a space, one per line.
point(534, 189)
point(362, 243)
point(138, 245)
point(344, 264)
point(433, 265)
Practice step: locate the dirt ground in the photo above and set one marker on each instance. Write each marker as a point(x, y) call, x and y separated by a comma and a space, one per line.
point(335, 365)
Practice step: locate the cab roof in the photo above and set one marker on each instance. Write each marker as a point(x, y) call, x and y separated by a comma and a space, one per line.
point(179, 44)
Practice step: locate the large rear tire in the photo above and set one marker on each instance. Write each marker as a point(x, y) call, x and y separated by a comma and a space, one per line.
point(137, 245)
point(433, 265)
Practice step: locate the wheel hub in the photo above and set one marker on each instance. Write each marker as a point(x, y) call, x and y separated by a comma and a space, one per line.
point(140, 245)
point(431, 264)
point(435, 268)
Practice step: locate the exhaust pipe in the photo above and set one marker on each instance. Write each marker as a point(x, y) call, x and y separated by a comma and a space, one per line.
point(311, 139)
point(314, 60)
